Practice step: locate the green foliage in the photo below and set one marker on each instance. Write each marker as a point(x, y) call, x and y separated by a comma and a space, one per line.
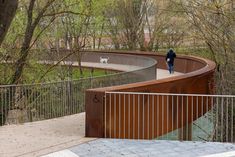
point(59, 73)
point(33, 72)
point(96, 22)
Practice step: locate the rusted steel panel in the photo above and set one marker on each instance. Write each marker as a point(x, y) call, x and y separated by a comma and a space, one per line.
point(198, 79)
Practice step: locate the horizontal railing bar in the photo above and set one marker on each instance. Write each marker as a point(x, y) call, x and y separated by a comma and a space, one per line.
point(40, 101)
point(171, 94)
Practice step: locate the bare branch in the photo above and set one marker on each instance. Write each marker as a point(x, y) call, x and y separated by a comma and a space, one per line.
point(54, 65)
point(65, 12)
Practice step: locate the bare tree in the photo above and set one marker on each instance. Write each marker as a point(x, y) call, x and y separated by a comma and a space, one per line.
point(144, 25)
point(76, 32)
point(214, 23)
point(164, 27)
point(126, 22)
point(32, 22)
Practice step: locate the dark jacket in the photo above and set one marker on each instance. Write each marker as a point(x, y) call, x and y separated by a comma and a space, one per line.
point(171, 55)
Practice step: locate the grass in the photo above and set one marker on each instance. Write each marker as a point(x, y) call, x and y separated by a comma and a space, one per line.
point(33, 73)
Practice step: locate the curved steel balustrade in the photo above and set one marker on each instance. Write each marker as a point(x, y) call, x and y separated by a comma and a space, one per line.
point(198, 78)
point(33, 102)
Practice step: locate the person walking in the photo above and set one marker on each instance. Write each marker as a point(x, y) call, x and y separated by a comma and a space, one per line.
point(170, 57)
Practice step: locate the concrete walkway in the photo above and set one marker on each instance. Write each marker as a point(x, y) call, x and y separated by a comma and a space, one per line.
point(42, 137)
point(118, 67)
point(147, 148)
point(161, 73)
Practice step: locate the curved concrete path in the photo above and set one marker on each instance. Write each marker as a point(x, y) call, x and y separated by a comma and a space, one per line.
point(118, 67)
point(161, 73)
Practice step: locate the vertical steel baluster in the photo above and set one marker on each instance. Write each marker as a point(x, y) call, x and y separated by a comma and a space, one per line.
point(105, 116)
point(115, 118)
point(232, 124)
point(158, 117)
point(227, 119)
point(124, 116)
point(207, 111)
point(138, 122)
point(143, 116)
point(212, 109)
point(172, 113)
point(129, 116)
point(222, 117)
point(167, 114)
point(110, 120)
point(197, 101)
point(163, 120)
point(119, 106)
point(109, 113)
point(2, 91)
point(148, 119)
point(182, 117)
point(177, 108)
point(153, 126)
point(217, 119)
point(187, 125)
point(192, 106)
point(134, 116)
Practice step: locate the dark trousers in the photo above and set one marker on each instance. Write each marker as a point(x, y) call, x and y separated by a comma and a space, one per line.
point(171, 68)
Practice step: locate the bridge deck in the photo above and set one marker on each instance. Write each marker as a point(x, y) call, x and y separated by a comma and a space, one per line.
point(161, 73)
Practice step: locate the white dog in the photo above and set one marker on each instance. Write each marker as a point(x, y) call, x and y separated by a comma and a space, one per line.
point(104, 60)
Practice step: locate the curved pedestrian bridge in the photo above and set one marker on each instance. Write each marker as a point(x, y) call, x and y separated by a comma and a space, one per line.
point(193, 75)
point(113, 112)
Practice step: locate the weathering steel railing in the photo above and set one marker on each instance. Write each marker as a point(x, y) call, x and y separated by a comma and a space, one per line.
point(27, 103)
point(169, 116)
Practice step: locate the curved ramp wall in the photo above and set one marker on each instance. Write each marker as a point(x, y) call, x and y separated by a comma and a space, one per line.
point(138, 68)
point(198, 79)
point(56, 99)
point(94, 57)
point(144, 67)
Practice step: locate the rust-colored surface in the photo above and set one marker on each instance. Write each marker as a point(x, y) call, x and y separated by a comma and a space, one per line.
point(198, 79)
point(148, 117)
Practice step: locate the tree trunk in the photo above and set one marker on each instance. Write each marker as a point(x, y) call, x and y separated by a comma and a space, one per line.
point(80, 64)
point(100, 36)
point(24, 51)
point(7, 12)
